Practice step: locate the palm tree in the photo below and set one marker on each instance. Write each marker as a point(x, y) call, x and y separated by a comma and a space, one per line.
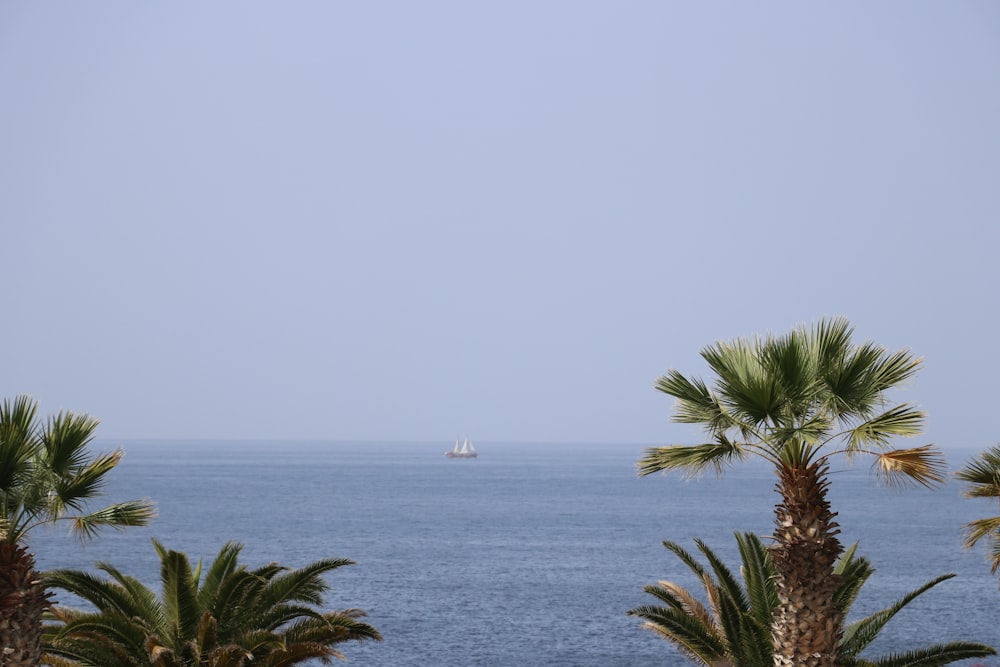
point(733, 629)
point(983, 477)
point(796, 400)
point(233, 616)
point(47, 475)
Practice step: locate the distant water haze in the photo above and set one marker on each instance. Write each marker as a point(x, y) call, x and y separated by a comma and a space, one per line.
point(530, 554)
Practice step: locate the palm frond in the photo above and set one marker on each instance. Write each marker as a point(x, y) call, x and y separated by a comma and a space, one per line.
point(222, 567)
point(683, 600)
point(788, 360)
point(691, 459)
point(735, 633)
point(854, 572)
point(207, 638)
point(108, 640)
point(180, 596)
point(18, 442)
point(65, 438)
point(236, 600)
point(848, 393)
point(736, 624)
point(724, 578)
point(119, 515)
point(982, 474)
point(988, 528)
point(17, 419)
point(46, 473)
point(82, 482)
point(260, 641)
point(695, 404)
point(305, 584)
point(857, 636)
point(685, 557)
point(758, 578)
point(296, 653)
point(273, 618)
point(745, 386)
point(893, 370)
point(982, 478)
point(230, 655)
point(900, 421)
point(142, 601)
point(936, 655)
point(811, 431)
point(691, 637)
point(921, 465)
point(176, 629)
point(99, 592)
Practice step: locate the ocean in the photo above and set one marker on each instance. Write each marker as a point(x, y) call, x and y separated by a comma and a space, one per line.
point(530, 555)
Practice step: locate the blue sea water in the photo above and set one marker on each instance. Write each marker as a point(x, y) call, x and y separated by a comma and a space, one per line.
point(529, 555)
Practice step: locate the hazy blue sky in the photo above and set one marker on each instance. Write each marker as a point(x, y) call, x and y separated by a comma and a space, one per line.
point(404, 220)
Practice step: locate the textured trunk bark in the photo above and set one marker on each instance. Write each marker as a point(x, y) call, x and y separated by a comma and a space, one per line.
point(807, 623)
point(22, 601)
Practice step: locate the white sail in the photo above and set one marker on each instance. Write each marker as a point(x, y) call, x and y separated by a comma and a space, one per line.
point(462, 450)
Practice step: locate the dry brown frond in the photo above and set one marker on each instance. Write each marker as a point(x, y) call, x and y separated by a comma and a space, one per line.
point(713, 597)
point(922, 465)
point(690, 604)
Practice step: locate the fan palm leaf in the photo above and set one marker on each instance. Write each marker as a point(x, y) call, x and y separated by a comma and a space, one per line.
point(796, 400)
point(693, 460)
point(919, 465)
point(982, 478)
point(47, 475)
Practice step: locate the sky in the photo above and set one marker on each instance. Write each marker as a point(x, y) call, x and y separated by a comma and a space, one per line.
point(402, 221)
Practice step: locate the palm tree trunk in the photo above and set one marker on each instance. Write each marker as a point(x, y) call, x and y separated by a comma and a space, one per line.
point(807, 622)
point(22, 601)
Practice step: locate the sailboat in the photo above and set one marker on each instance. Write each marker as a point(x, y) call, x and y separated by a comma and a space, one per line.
point(465, 451)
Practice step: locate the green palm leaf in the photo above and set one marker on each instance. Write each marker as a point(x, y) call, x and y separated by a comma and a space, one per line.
point(222, 567)
point(735, 628)
point(266, 615)
point(688, 634)
point(758, 577)
point(878, 431)
point(305, 584)
point(853, 573)
point(932, 656)
point(796, 400)
point(857, 636)
point(65, 441)
point(985, 528)
point(119, 515)
point(78, 483)
point(982, 477)
point(48, 474)
point(692, 459)
point(180, 595)
point(18, 444)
